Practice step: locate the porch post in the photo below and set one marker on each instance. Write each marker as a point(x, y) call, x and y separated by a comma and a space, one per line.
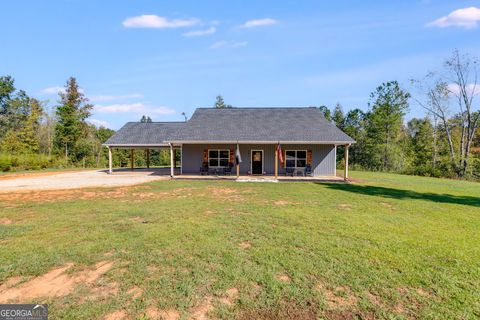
point(345, 173)
point(109, 160)
point(148, 158)
point(131, 159)
point(238, 164)
point(171, 161)
point(276, 162)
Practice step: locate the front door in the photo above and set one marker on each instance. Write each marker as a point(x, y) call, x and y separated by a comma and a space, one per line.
point(257, 161)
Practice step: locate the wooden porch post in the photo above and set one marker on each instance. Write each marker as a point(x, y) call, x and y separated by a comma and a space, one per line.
point(345, 173)
point(171, 161)
point(148, 158)
point(109, 160)
point(276, 162)
point(131, 159)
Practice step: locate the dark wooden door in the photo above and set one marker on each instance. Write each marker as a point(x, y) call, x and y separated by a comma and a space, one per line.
point(257, 162)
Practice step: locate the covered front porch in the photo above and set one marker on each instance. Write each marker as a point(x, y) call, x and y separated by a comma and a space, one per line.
point(259, 162)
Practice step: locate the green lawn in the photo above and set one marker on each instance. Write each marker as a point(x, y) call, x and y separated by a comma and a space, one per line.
point(387, 246)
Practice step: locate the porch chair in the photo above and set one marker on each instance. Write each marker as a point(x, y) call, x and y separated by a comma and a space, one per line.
point(228, 170)
point(289, 171)
point(204, 169)
point(308, 170)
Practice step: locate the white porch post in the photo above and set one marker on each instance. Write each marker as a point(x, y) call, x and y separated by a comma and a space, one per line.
point(171, 161)
point(109, 160)
point(345, 174)
point(276, 162)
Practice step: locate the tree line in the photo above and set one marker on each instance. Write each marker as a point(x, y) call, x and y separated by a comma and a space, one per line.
point(444, 142)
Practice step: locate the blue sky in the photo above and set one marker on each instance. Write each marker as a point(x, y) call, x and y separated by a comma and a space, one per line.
point(162, 58)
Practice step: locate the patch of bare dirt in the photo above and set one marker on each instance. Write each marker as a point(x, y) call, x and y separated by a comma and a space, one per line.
point(229, 194)
point(387, 205)
point(283, 278)
point(283, 203)
point(200, 312)
point(135, 293)
point(285, 310)
point(116, 315)
point(344, 206)
point(169, 314)
point(102, 292)
point(10, 283)
point(83, 194)
point(55, 283)
point(339, 298)
point(230, 297)
point(5, 221)
point(245, 245)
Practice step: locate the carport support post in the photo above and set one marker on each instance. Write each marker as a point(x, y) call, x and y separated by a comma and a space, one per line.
point(148, 158)
point(345, 173)
point(109, 160)
point(171, 161)
point(131, 159)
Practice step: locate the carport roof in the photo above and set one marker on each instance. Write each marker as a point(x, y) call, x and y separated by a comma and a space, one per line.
point(144, 134)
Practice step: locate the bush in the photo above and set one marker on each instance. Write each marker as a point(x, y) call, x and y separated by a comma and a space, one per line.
point(27, 162)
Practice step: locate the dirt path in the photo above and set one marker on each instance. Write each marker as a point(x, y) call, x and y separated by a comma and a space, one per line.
point(79, 179)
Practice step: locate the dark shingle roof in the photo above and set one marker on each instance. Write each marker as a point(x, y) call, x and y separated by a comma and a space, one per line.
point(235, 124)
point(145, 133)
point(260, 124)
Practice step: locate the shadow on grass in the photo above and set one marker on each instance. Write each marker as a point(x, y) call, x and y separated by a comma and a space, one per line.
point(404, 194)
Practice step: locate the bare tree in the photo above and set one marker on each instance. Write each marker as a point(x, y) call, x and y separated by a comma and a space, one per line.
point(452, 95)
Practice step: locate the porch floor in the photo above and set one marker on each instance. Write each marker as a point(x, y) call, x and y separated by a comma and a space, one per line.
point(192, 176)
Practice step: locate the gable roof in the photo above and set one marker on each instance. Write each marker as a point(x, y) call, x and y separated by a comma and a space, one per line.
point(144, 133)
point(260, 125)
point(232, 125)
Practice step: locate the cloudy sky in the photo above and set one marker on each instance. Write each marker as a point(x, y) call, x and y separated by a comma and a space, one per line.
point(162, 58)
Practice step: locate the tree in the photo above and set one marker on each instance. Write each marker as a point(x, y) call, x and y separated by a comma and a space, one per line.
point(145, 119)
point(354, 126)
point(220, 103)
point(326, 112)
point(338, 116)
point(457, 86)
point(421, 134)
point(71, 114)
point(384, 126)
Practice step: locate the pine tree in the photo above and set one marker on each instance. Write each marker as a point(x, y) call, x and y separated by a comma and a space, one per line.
point(71, 115)
point(220, 103)
point(384, 126)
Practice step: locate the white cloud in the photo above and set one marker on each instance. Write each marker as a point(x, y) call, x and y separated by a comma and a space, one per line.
point(103, 98)
point(154, 21)
point(471, 88)
point(98, 123)
point(467, 18)
point(199, 33)
point(133, 108)
point(228, 44)
point(258, 23)
point(57, 90)
point(53, 90)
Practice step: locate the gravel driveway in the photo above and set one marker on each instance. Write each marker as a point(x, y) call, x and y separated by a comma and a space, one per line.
point(80, 179)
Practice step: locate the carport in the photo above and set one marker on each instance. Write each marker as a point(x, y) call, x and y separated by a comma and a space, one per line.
point(135, 136)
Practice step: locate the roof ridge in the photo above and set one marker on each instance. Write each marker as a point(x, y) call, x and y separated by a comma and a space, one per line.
point(213, 108)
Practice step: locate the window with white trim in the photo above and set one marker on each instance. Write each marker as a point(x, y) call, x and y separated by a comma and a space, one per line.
point(218, 157)
point(296, 158)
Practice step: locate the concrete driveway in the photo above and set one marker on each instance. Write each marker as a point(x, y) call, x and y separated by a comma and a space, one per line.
point(80, 179)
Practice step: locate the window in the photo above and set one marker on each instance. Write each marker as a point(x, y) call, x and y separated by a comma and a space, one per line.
point(296, 158)
point(218, 158)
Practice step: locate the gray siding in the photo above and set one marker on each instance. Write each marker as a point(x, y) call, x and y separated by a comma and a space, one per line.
point(323, 157)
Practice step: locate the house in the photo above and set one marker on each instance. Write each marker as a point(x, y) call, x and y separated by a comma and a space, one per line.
point(209, 140)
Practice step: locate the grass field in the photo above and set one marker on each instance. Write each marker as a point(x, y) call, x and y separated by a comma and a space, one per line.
point(387, 246)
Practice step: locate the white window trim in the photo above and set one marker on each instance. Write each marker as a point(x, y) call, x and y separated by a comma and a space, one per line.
point(218, 158)
point(306, 157)
point(251, 160)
